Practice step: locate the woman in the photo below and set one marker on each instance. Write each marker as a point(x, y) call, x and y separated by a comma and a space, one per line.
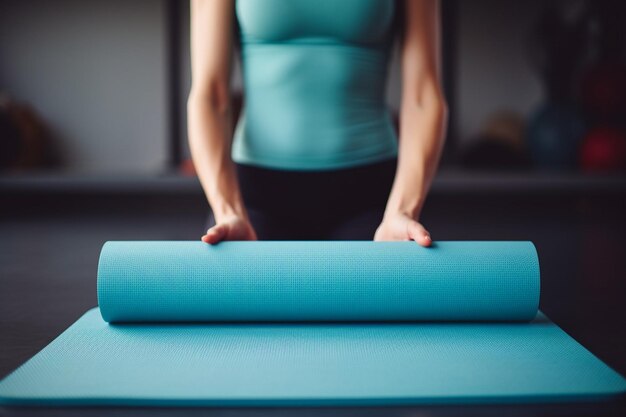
point(314, 154)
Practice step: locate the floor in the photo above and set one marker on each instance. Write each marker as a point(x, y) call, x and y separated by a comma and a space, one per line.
point(49, 249)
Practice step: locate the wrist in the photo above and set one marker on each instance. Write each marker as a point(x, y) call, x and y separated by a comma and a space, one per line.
point(407, 194)
point(224, 196)
point(403, 207)
point(223, 210)
point(391, 214)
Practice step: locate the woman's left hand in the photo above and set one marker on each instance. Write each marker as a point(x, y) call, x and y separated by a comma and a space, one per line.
point(402, 227)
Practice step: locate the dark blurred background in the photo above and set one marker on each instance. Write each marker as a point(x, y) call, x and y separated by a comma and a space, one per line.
point(93, 148)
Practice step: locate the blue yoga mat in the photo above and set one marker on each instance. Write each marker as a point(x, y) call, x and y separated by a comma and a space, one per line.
point(264, 323)
point(318, 281)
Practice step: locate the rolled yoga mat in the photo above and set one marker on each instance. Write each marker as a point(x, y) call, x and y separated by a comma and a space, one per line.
point(446, 324)
point(318, 281)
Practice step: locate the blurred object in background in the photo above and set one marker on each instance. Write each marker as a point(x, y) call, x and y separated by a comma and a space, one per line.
point(187, 168)
point(604, 81)
point(499, 145)
point(555, 132)
point(558, 49)
point(604, 150)
point(603, 90)
point(25, 140)
point(577, 48)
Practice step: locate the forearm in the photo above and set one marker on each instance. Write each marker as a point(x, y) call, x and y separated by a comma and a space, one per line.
point(422, 132)
point(210, 137)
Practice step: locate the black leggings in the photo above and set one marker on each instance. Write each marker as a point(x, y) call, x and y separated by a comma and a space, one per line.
point(344, 204)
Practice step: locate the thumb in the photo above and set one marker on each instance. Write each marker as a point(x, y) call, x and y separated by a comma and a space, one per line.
point(418, 233)
point(215, 234)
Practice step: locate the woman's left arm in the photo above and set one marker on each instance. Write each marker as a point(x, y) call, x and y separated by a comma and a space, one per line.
point(423, 119)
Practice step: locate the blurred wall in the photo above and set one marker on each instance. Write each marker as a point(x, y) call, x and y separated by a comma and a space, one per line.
point(493, 72)
point(96, 71)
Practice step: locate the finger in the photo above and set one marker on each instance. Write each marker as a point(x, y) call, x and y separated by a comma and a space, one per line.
point(418, 233)
point(215, 234)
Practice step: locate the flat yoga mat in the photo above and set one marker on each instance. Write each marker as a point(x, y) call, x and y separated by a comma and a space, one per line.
point(395, 361)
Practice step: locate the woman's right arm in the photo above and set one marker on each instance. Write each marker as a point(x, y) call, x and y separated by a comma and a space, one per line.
point(209, 118)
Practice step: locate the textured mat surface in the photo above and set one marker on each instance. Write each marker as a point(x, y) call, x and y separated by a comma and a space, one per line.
point(297, 364)
point(304, 281)
point(216, 325)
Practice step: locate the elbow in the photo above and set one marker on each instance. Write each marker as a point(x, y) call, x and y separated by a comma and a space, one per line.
point(213, 97)
point(442, 103)
point(442, 108)
point(439, 106)
point(428, 102)
point(434, 101)
point(428, 108)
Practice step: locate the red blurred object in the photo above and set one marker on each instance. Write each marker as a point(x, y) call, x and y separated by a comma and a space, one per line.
point(604, 149)
point(187, 168)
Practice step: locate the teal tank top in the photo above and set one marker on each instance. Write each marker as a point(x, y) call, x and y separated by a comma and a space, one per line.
point(314, 75)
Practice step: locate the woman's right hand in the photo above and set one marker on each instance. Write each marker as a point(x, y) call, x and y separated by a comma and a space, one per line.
point(231, 228)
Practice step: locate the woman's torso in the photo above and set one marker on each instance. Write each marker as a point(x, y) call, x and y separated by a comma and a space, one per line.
point(314, 74)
